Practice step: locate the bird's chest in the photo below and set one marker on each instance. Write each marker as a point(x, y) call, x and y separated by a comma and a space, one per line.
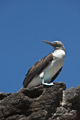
point(54, 66)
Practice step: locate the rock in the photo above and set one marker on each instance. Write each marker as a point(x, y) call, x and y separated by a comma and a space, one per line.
point(41, 103)
point(3, 95)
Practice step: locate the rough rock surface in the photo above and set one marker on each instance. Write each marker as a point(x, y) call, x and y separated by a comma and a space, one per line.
point(41, 103)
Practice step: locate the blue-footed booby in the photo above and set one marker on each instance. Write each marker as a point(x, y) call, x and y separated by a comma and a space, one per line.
point(47, 69)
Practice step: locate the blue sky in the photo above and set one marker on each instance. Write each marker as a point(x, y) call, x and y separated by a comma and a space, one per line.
point(23, 26)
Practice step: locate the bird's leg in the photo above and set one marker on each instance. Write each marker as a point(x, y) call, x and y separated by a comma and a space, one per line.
point(42, 78)
point(48, 84)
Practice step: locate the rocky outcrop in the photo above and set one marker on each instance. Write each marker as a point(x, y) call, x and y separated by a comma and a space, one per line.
point(41, 103)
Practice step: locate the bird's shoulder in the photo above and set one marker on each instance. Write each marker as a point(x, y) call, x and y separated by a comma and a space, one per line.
point(43, 62)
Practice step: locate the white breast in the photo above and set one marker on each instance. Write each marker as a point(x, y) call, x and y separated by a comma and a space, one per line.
point(51, 69)
point(55, 65)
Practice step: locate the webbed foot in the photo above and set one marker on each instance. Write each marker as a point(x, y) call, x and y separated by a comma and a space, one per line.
point(48, 84)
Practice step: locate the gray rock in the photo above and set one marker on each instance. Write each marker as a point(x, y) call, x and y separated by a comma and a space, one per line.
point(41, 103)
point(3, 95)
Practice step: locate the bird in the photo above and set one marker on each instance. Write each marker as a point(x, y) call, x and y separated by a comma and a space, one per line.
point(48, 68)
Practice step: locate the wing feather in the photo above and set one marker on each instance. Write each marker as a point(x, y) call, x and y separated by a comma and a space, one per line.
point(37, 68)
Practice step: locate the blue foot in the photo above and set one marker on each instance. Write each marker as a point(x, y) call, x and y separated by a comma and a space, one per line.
point(48, 84)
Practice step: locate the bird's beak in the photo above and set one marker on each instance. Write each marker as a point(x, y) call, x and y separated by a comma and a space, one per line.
point(50, 43)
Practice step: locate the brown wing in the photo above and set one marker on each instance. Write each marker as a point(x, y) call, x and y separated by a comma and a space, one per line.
point(37, 68)
point(54, 77)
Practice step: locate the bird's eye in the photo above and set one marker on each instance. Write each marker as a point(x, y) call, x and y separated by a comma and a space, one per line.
point(55, 43)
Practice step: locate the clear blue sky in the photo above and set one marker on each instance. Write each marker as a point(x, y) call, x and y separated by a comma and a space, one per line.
point(23, 26)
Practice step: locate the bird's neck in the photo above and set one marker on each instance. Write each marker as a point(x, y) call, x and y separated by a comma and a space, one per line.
point(59, 53)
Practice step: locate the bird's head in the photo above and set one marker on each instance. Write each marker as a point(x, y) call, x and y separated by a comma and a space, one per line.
point(56, 44)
